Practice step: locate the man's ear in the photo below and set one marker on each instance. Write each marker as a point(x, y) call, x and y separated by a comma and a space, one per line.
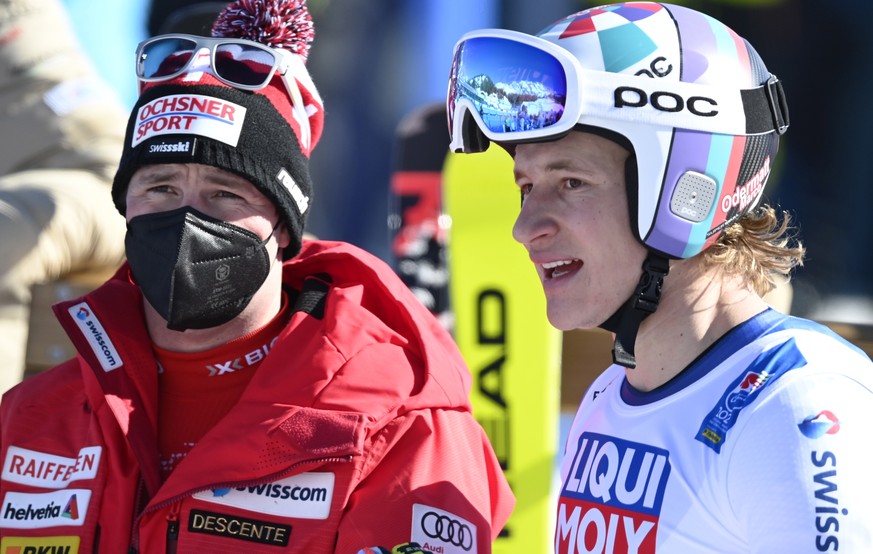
point(283, 237)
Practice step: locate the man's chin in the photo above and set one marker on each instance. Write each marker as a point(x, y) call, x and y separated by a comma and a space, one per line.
point(562, 322)
point(569, 320)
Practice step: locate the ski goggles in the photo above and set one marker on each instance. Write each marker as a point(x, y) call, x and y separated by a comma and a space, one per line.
point(512, 87)
point(240, 63)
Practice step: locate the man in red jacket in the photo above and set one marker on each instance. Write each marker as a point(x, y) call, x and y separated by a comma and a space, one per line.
point(239, 388)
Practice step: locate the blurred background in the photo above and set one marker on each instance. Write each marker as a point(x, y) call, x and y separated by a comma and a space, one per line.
point(375, 61)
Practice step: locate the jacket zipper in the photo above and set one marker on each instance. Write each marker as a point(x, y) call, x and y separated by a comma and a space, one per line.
point(173, 528)
point(139, 502)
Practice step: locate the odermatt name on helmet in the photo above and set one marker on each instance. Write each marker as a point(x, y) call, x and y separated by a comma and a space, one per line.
point(747, 193)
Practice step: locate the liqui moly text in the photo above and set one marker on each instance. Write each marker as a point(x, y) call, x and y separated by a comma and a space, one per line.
point(611, 500)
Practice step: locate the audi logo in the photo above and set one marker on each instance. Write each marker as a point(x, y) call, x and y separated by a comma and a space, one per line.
point(448, 530)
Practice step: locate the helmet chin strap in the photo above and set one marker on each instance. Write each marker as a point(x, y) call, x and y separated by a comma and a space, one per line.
point(625, 322)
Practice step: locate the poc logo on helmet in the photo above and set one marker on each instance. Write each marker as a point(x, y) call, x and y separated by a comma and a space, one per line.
point(632, 97)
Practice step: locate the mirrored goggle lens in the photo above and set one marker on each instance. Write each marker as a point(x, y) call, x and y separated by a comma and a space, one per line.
point(238, 64)
point(513, 86)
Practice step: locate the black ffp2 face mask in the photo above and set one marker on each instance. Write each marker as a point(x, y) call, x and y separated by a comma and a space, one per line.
point(196, 271)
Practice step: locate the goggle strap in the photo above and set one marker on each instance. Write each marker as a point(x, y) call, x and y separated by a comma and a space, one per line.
point(682, 105)
point(766, 108)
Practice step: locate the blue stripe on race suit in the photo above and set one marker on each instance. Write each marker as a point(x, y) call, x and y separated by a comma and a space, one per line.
point(762, 372)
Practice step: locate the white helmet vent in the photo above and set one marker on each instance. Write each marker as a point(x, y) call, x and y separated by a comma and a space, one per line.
point(693, 196)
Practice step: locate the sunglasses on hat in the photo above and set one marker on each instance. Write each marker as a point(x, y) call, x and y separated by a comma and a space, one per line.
point(239, 63)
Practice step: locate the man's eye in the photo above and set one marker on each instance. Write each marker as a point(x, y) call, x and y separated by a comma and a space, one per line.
point(573, 183)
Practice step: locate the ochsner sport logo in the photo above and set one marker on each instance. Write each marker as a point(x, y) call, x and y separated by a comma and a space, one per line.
point(96, 336)
point(36, 511)
point(189, 114)
point(306, 496)
point(611, 500)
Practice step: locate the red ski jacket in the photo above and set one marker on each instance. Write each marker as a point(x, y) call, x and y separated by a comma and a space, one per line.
point(355, 431)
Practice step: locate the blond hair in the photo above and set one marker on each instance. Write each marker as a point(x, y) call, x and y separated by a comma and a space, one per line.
point(760, 247)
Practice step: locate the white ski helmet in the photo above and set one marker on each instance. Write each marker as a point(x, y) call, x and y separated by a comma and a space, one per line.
point(690, 99)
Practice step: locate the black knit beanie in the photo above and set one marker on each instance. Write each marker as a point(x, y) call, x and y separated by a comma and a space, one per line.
point(259, 135)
